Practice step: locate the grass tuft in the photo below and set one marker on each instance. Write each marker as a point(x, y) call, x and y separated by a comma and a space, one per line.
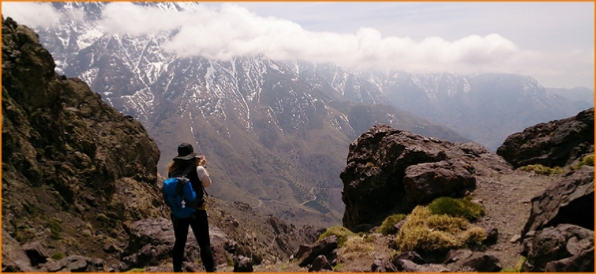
point(464, 208)
point(425, 231)
point(340, 232)
point(544, 170)
point(57, 256)
point(518, 266)
point(387, 227)
point(586, 161)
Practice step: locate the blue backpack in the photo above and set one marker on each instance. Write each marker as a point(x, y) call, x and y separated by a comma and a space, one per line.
point(180, 196)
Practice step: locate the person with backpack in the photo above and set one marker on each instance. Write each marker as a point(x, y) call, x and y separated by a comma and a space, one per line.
point(188, 209)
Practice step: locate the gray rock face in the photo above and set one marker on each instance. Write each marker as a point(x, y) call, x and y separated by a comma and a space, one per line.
point(391, 171)
point(308, 253)
point(556, 143)
point(561, 248)
point(570, 201)
point(14, 258)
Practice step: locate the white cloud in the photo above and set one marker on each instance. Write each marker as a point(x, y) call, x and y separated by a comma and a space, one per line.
point(31, 14)
point(228, 31)
point(233, 31)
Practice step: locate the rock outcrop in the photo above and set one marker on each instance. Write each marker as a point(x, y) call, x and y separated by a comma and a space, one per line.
point(564, 248)
point(570, 201)
point(75, 172)
point(391, 171)
point(556, 143)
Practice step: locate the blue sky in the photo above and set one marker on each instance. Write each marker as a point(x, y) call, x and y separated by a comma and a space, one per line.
point(550, 41)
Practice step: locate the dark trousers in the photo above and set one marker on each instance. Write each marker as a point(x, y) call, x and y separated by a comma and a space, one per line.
point(200, 228)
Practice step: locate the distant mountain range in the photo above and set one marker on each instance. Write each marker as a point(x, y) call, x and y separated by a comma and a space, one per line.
point(276, 134)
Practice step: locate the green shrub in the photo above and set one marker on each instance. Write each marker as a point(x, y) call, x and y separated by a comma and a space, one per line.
point(464, 208)
point(544, 170)
point(425, 231)
point(586, 161)
point(387, 227)
point(341, 232)
point(57, 256)
point(55, 228)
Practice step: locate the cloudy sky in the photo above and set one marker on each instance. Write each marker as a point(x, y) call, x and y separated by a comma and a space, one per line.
point(550, 41)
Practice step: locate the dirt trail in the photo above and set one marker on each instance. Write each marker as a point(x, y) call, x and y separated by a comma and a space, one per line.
point(506, 198)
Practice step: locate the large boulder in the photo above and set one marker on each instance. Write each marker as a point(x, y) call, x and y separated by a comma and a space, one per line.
point(556, 143)
point(570, 201)
point(566, 248)
point(391, 171)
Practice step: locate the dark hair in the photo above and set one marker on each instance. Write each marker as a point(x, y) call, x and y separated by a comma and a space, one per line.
point(182, 164)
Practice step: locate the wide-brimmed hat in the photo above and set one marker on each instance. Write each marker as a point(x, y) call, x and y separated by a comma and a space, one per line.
point(185, 152)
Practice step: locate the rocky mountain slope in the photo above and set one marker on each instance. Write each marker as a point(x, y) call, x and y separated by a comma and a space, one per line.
point(80, 193)
point(534, 221)
point(80, 188)
point(275, 133)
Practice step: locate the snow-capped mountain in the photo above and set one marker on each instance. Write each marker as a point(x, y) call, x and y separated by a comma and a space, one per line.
point(276, 134)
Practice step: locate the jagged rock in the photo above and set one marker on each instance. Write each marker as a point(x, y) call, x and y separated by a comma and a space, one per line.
point(14, 258)
point(75, 263)
point(570, 201)
point(483, 263)
point(457, 255)
point(383, 265)
point(556, 143)
point(412, 256)
point(36, 252)
point(242, 264)
point(492, 236)
point(310, 233)
point(278, 226)
point(320, 264)
point(427, 181)
point(308, 253)
point(562, 248)
point(390, 171)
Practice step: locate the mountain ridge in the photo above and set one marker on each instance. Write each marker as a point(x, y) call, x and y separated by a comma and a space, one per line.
point(263, 123)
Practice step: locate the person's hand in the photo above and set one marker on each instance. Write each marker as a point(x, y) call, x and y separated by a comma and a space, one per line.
point(202, 160)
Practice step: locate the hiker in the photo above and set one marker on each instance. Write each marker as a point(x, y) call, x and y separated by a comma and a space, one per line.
point(199, 178)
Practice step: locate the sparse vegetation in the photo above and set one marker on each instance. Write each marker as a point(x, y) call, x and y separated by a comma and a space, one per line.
point(387, 227)
point(355, 244)
point(341, 232)
point(588, 160)
point(544, 170)
point(464, 208)
point(518, 266)
point(337, 267)
point(57, 256)
point(425, 231)
point(102, 217)
point(55, 228)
